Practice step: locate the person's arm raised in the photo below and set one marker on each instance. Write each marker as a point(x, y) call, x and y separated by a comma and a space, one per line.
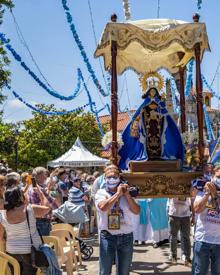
point(107, 204)
point(40, 210)
point(200, 204)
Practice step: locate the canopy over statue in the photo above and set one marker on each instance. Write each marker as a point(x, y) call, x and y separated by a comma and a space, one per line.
point(148, 45)
point(145, 46)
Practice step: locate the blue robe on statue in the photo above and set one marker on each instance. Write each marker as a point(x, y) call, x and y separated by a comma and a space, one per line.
point(134, 147)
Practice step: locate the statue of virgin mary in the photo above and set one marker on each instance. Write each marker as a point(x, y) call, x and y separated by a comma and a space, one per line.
point(151, 134)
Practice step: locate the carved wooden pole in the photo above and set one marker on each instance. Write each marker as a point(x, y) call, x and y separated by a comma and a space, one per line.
point(114, 97)
point(182, 100)
point(199, 96)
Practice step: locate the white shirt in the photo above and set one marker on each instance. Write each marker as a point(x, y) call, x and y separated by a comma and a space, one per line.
point(127, 219)
point(208, 224)
point(18, 234)
point(179, 207)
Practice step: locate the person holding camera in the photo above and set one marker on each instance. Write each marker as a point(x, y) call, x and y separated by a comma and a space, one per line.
point(116, 211)
point(207, 233)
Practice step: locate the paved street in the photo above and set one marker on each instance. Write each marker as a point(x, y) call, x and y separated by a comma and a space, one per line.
point(146, 260)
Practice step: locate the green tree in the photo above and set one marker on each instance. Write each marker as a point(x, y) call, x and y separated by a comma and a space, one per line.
point(44, 138)
point(4, 61)
point(6, 133)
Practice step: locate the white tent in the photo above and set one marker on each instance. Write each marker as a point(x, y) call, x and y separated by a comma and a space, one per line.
point(78, 156)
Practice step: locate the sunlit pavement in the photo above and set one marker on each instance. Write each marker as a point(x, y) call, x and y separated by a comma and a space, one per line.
point(146, 260)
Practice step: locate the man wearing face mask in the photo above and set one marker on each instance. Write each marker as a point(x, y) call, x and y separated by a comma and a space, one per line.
point(116, 211)
point(207, 233)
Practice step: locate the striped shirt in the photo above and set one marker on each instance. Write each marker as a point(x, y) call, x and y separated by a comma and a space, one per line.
point(18, 236)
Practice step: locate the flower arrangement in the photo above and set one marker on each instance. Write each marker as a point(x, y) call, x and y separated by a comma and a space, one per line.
point(107, 140)
point(189, 138)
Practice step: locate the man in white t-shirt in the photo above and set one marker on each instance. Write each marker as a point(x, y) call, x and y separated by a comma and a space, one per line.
point(207, 233)
point(179, 220)
point(116, 213)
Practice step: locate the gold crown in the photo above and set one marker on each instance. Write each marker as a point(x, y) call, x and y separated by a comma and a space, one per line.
point(152, 80)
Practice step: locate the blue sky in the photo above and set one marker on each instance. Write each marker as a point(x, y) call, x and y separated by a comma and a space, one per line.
point(48, 36)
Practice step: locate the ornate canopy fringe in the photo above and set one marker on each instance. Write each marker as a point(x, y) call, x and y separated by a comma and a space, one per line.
point(147, 45)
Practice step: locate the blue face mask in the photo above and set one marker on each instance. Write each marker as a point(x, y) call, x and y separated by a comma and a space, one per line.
point(112, 182)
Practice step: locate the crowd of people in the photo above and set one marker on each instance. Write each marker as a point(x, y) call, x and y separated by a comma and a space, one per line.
point(122, 219)
point(125, 221)
point(39, 196)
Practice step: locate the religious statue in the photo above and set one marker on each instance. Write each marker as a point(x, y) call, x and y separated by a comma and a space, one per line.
point(151, 134)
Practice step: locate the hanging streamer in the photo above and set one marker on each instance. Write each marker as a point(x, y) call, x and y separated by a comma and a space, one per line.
point(209, 87)
point(127, 11)
point(92, 105)
point(174, 97)
point(81, 48)
point(18, 58)
point(43, 111)
point(96, 44)
point(40, 83)
point(210, 132)
point(188, 85)
point(199, 4)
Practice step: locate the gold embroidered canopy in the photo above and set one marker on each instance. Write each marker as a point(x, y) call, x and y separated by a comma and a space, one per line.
point(147, 45)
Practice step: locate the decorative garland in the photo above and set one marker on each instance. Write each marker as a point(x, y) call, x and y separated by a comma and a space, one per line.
point(173, 92)
point(18, 58)
point(209, 87)
point(210, 132)
point(43, 111)
point(108, 88)
point(92, 105)
point(81, 48)
point(199, 4)
point(127, 10)
point(41, 84)
point(188, 85)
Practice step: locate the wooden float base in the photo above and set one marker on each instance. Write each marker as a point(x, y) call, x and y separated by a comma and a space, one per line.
point(155, 165)
point(162, 184)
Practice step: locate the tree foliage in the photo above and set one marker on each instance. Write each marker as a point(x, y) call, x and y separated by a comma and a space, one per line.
point(4, 61)
point(44, 138)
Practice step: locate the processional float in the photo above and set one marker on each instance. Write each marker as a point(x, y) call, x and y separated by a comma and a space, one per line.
point(146, 46)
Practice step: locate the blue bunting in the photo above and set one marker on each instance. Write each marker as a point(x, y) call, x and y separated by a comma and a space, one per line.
point(209, 87)
point(199, 4)
point(174, 97)
point(210, 132)
point(92, 105)
point(80, 79)
point(188, 85)
point(33, 75)
point(82, 50)
point(47, 112)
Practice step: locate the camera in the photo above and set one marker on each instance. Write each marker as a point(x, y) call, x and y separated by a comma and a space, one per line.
point(133, 190)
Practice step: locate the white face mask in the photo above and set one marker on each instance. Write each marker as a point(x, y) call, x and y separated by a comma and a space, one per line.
point(112, 182)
